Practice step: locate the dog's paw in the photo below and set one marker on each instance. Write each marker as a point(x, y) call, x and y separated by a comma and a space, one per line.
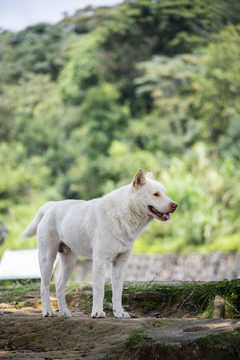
point(98, 314)
point(121, 314)
point(65, 312)
point(49, 313)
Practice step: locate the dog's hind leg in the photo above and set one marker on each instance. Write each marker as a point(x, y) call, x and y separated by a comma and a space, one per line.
point(68, 261)
point(46, 257)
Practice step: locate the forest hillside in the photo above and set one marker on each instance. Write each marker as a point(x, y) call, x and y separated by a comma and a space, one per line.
point(146, 84)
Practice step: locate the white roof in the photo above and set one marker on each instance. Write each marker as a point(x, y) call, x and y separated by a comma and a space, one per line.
point(19, 264)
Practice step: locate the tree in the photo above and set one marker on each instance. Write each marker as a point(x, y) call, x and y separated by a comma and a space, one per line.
point(20, 176)
point(101, 121)
point(37, 49)
point(83, 70)
point(169, 82)
point(218, 84)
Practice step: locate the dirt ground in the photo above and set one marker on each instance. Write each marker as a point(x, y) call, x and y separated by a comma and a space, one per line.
point(25, 334)
point(29, 336)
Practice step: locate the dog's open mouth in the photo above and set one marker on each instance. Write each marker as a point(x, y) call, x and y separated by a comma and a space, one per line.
point(161, 216)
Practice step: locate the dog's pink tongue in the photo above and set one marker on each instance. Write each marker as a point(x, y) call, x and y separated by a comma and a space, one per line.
point(167, 216)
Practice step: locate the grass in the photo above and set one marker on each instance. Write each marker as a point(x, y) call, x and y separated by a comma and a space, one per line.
point(16, 290)
point(135, 339)
point(223, 346)
point(227, 341)
point(194, 298)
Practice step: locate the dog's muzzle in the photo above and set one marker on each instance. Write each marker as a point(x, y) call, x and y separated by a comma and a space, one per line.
point(163, 216)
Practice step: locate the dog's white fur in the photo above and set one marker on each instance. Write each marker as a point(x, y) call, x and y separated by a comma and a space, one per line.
point(103, 229)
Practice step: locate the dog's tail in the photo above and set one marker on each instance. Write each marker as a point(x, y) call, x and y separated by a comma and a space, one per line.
point(31, 230)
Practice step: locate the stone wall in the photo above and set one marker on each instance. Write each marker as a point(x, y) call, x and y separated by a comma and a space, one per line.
point(194, 267)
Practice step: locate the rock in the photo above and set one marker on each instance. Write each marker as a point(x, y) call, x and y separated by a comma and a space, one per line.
point(219, 307)
point(185, 331)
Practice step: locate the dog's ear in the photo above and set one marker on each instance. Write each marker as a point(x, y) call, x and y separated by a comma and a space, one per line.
point(139, 179)
point(149, 174)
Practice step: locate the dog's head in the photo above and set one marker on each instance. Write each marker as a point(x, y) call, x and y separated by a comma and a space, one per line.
point(152, 197)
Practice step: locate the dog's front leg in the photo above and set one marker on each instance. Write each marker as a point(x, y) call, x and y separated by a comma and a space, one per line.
point(98, 278)
point(118, 271)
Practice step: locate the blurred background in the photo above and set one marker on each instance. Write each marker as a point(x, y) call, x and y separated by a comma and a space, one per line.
point(103, 88)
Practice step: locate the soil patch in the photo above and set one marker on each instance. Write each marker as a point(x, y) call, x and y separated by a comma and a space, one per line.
point(149, 334)
point(25, 336)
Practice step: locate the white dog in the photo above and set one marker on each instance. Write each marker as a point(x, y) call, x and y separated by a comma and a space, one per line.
point(103, 229)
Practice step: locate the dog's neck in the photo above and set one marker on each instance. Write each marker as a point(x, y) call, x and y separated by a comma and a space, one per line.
point(131, 219)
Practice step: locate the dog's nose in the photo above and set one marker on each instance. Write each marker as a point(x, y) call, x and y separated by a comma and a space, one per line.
point(174, 206)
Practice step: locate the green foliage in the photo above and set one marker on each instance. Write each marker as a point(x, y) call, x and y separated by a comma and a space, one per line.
point(217, 96)
point(193, 297)
point(37, 49)
point(83, 70)
point(16, 291)
point(151, 84)
point(19, 176)
point(135, 339)
point(206, 200)
point(170, 83)
point(230, 292)
point(227, 342)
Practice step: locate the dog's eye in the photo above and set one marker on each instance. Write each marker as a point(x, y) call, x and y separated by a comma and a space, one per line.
point(156, 194)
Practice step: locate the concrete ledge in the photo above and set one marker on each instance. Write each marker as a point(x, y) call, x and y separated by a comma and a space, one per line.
point(185, 331)
point(192, 267)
